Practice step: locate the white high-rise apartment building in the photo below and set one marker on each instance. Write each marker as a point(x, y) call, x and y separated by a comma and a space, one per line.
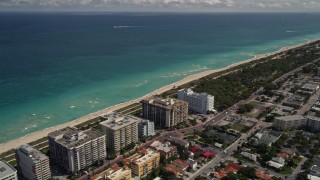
point(32, 164)
point(198, 102)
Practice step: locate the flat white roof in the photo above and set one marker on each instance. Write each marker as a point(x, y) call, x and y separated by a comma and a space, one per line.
point(6, 169)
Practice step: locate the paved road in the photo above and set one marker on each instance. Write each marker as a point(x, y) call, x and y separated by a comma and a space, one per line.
point(306, 107)
point(229, 151)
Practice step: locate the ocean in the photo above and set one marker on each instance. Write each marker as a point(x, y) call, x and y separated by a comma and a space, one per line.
point(56, 67)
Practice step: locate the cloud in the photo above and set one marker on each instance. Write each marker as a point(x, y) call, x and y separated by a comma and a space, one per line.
point(232, 4)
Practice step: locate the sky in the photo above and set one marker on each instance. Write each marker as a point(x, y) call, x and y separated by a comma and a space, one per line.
point(165, 5)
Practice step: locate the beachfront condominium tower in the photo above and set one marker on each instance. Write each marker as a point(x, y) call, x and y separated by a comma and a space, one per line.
point(7, 172)
point(32, 164)
point(143, 162)
point(198, 102)
point(165, 112)
point(74, 150)
point(120, 130)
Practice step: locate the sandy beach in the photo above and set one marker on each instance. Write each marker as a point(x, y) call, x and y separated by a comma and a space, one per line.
point(42, 133)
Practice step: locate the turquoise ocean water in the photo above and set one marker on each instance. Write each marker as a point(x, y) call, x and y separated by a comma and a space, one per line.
point(56, 67)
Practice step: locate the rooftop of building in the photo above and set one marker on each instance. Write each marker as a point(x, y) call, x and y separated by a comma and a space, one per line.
point(142, 156)
point(6, 169)
point(315, 169)
point(191, 92)
point(168, 103)
point(232, 168)
point(291, 118)
point(33, 153)
point(165, 147)
point(72, 137)
point(179, 141)
point(114, 172)
point(177, 166)
point(314, 118)
point(262, 175)
point(311, 86)
point(267, 136)
point(117, 121)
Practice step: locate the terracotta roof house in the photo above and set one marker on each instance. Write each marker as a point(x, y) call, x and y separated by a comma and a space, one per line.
point(208, 154)
point(284, 155)
point(232, 168)
point(195, 149)
point(219, 174)
point(262, 175)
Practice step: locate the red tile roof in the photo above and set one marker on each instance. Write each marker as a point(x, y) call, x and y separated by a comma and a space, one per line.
point(195, 149)
point(169, 169)
point(220, 174)
point(262, 175)
point(284, 155)
point(208, 154)
point(232, 168)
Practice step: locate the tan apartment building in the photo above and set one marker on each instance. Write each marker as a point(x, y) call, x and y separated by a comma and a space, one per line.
point(114, 173)
point(143, 162)
point(165, 112)
point(74, 150)
point(120, 130)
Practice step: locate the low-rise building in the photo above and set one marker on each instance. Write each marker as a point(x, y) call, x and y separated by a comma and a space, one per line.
point(250, 156)
point(7, 172)
point(314, 123)
point(263, 176)
point(192, 164)
point(177, 167)
point(178, 142)
point(276, 162)
point(314, 173)
point(166, 150)
point(198, 102)
point(143, 162)
point(114, 173)
point(316, 107)
point(295, 101)
point(312, 87)
point(32, 164)
point(232, 168)
point(284, 123)
point(266, 137)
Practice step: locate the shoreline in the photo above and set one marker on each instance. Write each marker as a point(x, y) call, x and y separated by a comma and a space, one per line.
point(12, 144)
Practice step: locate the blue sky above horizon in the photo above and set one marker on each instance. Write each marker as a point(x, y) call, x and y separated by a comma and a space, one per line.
point(165, 5)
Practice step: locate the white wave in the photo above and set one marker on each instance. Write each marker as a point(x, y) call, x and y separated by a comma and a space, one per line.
point(93, 102)
point(290, 31)
point(248, 54)
point(33, 114)
point(71, 107)
point(47, 117)
point(120, 27)
point(142, 83)
point(197, 68)
point(29, 127)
